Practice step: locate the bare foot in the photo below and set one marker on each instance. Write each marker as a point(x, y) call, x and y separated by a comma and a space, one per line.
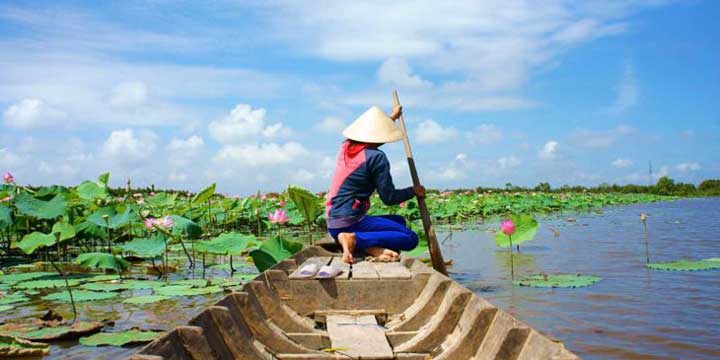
point(382, 254)
point(347, 241)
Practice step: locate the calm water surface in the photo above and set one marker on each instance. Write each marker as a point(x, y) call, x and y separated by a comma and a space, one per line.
point(633, 312)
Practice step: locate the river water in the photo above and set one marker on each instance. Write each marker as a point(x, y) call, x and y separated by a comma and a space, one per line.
point(633, 312)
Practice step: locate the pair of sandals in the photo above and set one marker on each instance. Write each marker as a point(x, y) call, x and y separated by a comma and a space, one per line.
point(324, 272)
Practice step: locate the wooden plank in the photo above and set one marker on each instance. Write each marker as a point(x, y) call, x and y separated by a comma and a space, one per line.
point(320, 261)
point(339, 263)
point(358, 337)
point(364, 270)
point(392, 270)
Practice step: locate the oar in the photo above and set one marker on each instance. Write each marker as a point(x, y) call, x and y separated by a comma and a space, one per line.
point(435, 254)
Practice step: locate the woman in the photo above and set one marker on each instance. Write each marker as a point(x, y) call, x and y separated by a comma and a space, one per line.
point(361, 170)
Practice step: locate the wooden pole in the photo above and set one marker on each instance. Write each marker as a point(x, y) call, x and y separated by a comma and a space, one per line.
point(435, 254)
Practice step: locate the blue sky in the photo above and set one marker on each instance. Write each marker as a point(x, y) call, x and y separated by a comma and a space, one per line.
point(253, 95)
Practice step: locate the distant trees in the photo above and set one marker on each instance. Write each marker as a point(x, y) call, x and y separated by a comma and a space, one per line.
point(710, 187)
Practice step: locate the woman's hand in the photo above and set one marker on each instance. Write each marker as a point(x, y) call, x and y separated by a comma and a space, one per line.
point(396, 113)
point(419, 191)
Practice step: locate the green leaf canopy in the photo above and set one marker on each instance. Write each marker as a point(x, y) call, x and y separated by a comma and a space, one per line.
point(115, 220)
point(102, 261)
point(28, 205)
point(90, 190)
point(5, 217)
point(186, 227)
point(272, 251)
point(525, 229)
point(65, 230)
point(227, 244)
point(307, 203)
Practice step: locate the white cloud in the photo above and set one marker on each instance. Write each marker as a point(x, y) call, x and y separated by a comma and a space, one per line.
point(178, 177)
point(30, 113)
point(260, 155)
point(622, 163)
point(549, 151)
point(187, 146)
point(128, 94)
point(244, 123)
point(430, 132)
point(688, 166)
point(302, 176)
point(507, 162)
point(330, 125)
point(628, 91)
point(456, 170)
point(396, 71)
point(485, 134)
point(129, 145)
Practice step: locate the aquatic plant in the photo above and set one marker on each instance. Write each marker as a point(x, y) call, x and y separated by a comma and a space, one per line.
point(557, 280)
point(643, 218)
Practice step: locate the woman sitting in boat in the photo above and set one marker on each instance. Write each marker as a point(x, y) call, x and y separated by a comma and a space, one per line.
point(362, 169)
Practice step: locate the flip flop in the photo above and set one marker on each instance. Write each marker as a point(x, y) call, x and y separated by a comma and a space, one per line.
point(327, 272)
point(308, 271)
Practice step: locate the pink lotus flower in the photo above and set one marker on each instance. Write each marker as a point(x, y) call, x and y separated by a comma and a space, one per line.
point(5, 199)
point(507, 227)
point(643, 217)
point(9, 178)
point(281, 204)
point(403, 204)
point(152, 223)
point(278, 217)
point(445, 193)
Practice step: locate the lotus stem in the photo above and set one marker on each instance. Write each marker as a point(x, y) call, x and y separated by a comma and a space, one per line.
point(512, 265)
point(647, 250)
point(64, 276)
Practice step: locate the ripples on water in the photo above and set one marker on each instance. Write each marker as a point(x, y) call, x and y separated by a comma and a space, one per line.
point(633, 312)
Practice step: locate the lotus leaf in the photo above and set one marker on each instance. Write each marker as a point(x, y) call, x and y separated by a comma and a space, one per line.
point(145, 299)
point(11, 347)
point(102, 261)
point(119, 338)
point(14, 298)
point(145, 247)
point(186, 227)
point(79, 295)
point(34, 241)
point(557, 281)
point(226, 244)
point(161, 200)
point(90, 190)
point(204, 195)
point(6, 307)
point(525, 229)
point(306, 202)
point(115, 220)
point(186, 290)
point(19, 277)
point(38, 330)
point(272, 251)
point(119, 286)
point(28, 205)
point(65, 230)
point(6, 218)
point(46, 284)
point(687, 265)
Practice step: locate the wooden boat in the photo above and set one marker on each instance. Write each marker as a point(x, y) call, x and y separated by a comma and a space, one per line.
point(402, 310)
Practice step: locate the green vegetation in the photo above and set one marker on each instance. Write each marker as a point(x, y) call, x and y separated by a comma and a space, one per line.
point(557, 281)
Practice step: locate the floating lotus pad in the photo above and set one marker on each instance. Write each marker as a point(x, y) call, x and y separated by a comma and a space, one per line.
point(124, 285)
point(16, 297)
point(50, 331)
point(19, 277)
point(79, 296)
point(11, 346)
point(146, 299)
point(6, 307)
point(557, 281)
point(184, 290)
point(120, 338)
point(687, 265)
point(47, 284)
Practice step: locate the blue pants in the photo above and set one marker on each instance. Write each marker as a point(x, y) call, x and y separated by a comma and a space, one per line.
point(386, 231)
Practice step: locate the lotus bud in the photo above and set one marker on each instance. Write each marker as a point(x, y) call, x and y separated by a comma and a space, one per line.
point(507, 227)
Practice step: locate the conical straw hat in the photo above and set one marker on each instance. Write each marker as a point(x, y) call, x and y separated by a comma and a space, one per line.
point(373, 126)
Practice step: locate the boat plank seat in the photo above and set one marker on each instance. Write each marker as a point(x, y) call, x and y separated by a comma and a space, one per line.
point(320, 261)
point(358, 336)
point(362, 270)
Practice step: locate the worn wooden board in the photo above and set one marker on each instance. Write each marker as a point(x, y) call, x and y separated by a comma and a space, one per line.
point(320, 261)
point(364, 270)
point(358, 337)
point(392, 270)
point(337, 262)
